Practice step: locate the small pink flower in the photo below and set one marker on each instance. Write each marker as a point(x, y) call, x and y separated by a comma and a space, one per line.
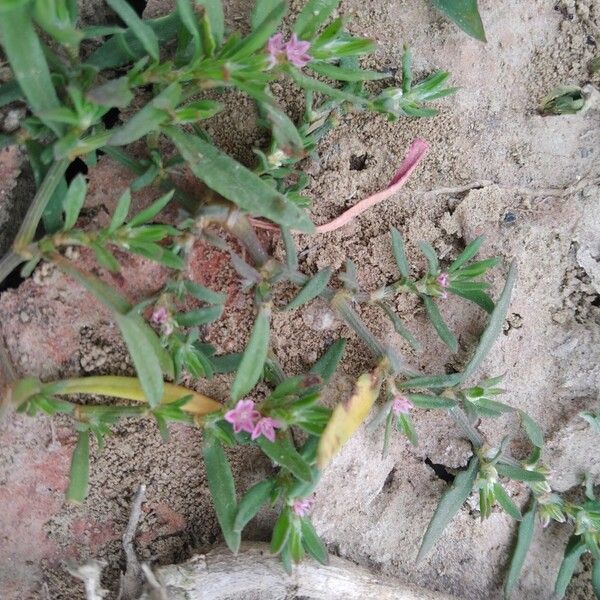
point(297, 51)
point(302, 506)
point(266, 426)
point(402, 405)
point(160, 316)
point(243, 416)
point(443, 279)
point(275, 49)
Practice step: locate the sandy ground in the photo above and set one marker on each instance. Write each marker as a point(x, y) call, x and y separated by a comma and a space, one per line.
point(529, 183)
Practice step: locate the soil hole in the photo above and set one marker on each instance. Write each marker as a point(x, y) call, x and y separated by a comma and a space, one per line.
point(387, 484)
point(440, 471)
point(358, 162)
point(138, 6)
point(76, 167)
point(13, 281)
point(111, 118)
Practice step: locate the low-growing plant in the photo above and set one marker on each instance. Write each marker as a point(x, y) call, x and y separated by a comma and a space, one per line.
point(169, 64)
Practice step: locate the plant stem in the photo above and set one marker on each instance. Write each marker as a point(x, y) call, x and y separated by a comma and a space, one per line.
point(41, 199)
point(129, 388)
point(9, 262)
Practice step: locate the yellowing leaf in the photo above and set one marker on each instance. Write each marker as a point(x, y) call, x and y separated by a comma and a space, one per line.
point(347, 417)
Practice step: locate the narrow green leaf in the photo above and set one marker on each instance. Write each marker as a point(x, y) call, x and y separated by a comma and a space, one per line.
point(261, 34)
point(506, 503)
point(313, 15)
point(407, 427)
point(326, 365)
point(313, 287)
point(121, 211)
point(596, 578)
point(532, 429)
point(254, 357)
point(431, 402)
point(308, 83)
point(281, 531)
point(251, 503)
point(575, 548)
point(518, 474)
point(524, 537)
point(399, 253)
point(215, 18)
point(284, 131)
point(465, 14)
point(313, 543)
point(10, 92)
point(149, 118)
point(190, 21)
point(345, 74)
point(73, 201)
point(478, 297)
point(203, 293)
point(291, 255)
point(236, 183)
point(80, 469)
point(141, 30)
point(283, 452)
point(149, 213)
point(261, 11)
point(222, 489)
point(432, 381)
point(439, 324)
point(432, 259)
point(28, 62)
point(399, 326)
point(467, 254)
point(449, 505)
point(200, 316)
point(106, 258)
point(494, 326)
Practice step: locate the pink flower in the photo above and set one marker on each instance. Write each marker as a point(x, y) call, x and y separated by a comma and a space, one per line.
point(297, 51)
point(266, 426)
point(275, 49)
point(402, 405)
point(243, 416)
point(443, 279)
point(302, 506)
point(160, 316)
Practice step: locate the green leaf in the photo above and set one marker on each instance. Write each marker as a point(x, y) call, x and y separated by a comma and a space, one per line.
point(326, 365)
point(283, 452)
point(477, 296)
point(596, 578)
point(189, 20)
point(405, 425)
point(575, 548)
point(312, 288)
point(251, 503)
point(254, 357)
point(10, 92)
point(431, 402)
point(200, 316)
point(291, 255)
point(465, 14)
point(115, 92)
point(124, 48)
point(149, 213)
point(236, 183)
point(494, 326)
point(261, 11)
point(149, 118)
point(73, 202)
point(284, 131)
point(308, 83)
point(27, 60)
point(433, 312)
point(506, 503)
point(524, 537)
point(215, 17)
point(432, 259)
point(222, 489)
point(518, 474)
point(313, 15)
point(399, 326)
point(106, 258)
point(203, 293)
point(281, 531)
point(449, 505)
point(345, 74)
point(432, 381)
point(532, 429)
point(261, 34)
point(80, 469)
point(121, 211)
point(141, 30)
point(313, 543)
point(467, 254)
